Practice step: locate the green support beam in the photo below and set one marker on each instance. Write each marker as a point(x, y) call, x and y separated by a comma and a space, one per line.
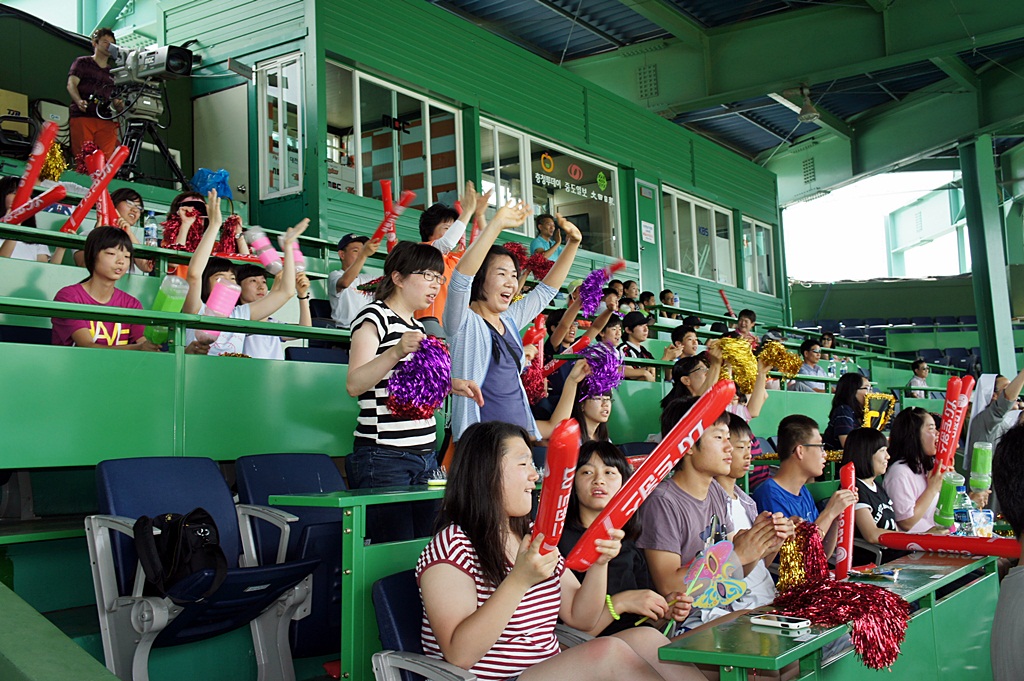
point(777, 52)
point(665, 14)
point(988, 262)
point(827, 121)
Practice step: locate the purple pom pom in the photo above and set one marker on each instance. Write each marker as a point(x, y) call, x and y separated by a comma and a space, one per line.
point(419, 385)
point(605, 370)
point(591, 291)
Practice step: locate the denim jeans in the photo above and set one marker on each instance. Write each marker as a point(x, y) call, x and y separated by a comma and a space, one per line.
point(370, 467)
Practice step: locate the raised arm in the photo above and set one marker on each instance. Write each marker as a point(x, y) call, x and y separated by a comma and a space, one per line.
point(759, 395)
point(349, 276)
point(561, 267)
point(508, 216)
point(450, 240)
point(201, 257)
point(284, 283)
point(565, 323)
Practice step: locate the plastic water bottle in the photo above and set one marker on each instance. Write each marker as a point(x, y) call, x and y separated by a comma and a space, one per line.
point(221, 303)
point(261, 247)
point(843, 368)
point(149, 230)
point(944, 507)
point(170, 298)
point(962, 507)
point(832, 367)
point(981, 467)
point(675, 299)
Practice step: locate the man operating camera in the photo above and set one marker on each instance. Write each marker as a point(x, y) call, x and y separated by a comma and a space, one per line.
point(91, 87)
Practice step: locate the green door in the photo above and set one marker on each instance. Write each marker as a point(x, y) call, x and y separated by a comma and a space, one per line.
point(648, 221)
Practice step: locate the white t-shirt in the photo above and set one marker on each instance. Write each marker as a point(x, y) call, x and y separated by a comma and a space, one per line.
point(23, 251)
point(264, 347)
point(227, 341)
point(347, 304)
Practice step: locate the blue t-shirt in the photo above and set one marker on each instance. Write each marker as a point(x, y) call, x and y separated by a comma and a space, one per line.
point(770, 497)
point(540, 243)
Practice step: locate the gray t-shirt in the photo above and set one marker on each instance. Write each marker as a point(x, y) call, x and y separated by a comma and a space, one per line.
point(987, 426)
point(1008, 628)
point(677, 522)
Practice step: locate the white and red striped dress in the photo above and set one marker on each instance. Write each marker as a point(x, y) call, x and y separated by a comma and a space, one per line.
point(528, 638)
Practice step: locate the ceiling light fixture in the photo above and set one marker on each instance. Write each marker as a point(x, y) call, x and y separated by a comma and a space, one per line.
point(808, 114)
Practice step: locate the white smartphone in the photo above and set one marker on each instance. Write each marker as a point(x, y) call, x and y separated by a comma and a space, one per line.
point(780, 621)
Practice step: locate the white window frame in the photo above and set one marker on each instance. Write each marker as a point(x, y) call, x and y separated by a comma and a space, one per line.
point(672, 222)
point(262, 69)
point(771, 253)
point(425, 105)
point(526, 177)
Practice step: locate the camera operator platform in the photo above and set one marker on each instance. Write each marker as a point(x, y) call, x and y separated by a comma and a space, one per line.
point(139, 85)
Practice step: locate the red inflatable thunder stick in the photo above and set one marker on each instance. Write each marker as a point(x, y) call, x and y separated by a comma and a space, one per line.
point(387, 225)
point(556, 364)
point(105, 209)
point(35, 164)
point(612, 269)
point(962, 546)
point(559, 477)
point(844, 541)
point(658, 464)
point(728, 307)
point(99, 185)
point(27, 210)
point(954, 411)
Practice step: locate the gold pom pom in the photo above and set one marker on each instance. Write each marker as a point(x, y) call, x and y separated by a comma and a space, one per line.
point(791, 565)
point(878, 409)
point(833, 455)
point(55, 164)
point(775, 355)
point(517, 297)
point(737, 357)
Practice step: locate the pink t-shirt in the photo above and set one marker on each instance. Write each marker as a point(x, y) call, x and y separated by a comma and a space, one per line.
point(103, 333)
point(905, 487)
point(528, 638)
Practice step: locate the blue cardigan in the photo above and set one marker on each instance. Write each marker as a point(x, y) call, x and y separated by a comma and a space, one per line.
point(471, 343)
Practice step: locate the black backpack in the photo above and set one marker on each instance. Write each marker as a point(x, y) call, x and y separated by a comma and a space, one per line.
point(186, 544)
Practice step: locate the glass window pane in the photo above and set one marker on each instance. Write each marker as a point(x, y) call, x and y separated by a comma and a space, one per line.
point(340, 130)
point(444, 173)
point(723, 249)
point(765, 260)
point(704, 225)
point(582, 191)
point(671, 235)
point(686, 242)
point(273, 97)
point(292, 95)
point(410, 135)
point(376, 137)
point(749, 262)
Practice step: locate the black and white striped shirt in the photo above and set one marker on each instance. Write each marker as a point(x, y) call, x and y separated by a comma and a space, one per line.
point(377, 426)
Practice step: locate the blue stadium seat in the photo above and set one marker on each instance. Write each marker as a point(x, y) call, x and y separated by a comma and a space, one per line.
point(320, 309)
point(637, 448)
point(322, 355)
point(829, 325)
point(31, 335)
point(930, 355)
point(807, 325)
point(899, 321)
point(946, 321)
point(853, 332)
point(957, 353)
point(396, 600)
point(851, 322)
point(875, 322)
point(316, 534)
point(922, 321)
point(131, 623)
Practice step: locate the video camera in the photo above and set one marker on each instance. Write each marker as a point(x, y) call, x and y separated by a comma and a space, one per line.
point(138, 75)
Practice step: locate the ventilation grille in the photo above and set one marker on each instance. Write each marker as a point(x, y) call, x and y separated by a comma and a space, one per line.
point(809, 173)
point(647, 81)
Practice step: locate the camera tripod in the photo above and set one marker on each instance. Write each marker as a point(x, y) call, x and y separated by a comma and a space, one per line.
point(135, 133)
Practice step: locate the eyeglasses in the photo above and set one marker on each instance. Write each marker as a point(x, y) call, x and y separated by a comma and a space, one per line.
point(604, 399)
point(133, 206)
point(863, 387)
point(700, 368)
point(820, 445)
point(431, 277)
point(815, 352)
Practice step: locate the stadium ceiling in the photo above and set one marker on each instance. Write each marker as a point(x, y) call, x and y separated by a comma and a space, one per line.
point(892, 81)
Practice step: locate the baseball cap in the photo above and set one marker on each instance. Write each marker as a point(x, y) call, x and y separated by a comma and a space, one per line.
point(349, 238)
point(694, 321)
point(634, 319)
